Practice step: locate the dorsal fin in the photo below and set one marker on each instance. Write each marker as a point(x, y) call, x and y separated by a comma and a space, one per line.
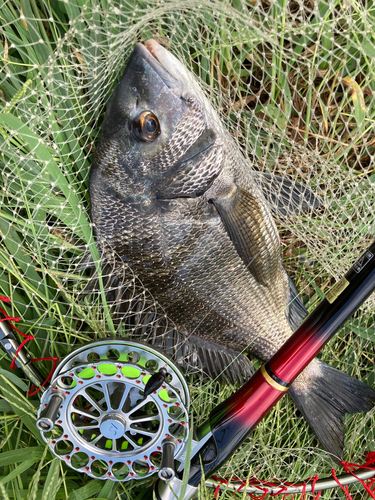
point(286, 196)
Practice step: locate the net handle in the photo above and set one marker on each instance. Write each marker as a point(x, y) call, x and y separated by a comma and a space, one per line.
point(319, 485)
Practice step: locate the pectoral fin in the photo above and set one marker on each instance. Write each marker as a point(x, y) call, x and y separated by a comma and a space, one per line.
point(252, 231)
point(285, 196)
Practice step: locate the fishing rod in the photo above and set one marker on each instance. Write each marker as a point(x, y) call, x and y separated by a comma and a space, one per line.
point(236, 417)
point(19, 355)
point(118, 409)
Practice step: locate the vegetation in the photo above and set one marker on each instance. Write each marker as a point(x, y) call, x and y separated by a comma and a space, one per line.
point(294, 83)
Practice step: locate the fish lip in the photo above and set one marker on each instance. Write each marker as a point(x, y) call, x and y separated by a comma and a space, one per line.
point(170, 81)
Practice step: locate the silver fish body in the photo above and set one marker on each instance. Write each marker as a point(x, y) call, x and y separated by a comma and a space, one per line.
point(157, 211)
point(173, 197)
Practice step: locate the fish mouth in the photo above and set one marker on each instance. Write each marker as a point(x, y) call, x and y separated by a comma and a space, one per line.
point(163, 63)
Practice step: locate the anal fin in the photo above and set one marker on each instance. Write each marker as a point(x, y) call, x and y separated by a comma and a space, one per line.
point(213, 360)
point(296, 311)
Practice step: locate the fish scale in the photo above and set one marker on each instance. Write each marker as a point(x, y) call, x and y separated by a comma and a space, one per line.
point(180, 205)
point(147, 253)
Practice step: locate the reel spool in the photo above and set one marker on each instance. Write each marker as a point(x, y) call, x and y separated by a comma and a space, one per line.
point(96, 418)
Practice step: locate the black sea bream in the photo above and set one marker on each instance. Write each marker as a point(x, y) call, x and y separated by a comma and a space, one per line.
point(174, 198)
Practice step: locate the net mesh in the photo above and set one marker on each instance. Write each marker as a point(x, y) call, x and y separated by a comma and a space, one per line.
point(293, 82)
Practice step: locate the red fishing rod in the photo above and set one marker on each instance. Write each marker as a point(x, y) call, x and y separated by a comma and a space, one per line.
point(231, 421)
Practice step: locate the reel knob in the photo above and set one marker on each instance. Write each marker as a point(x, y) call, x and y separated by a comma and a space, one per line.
point(167, 470)
point(47, 422)
point(155, 382)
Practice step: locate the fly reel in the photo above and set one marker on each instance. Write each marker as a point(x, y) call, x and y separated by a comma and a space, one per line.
point(98, 419)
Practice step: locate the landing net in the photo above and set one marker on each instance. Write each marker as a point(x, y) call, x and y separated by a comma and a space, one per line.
point(294, 84)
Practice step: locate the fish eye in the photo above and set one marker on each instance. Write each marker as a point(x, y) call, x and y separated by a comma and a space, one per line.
point(146, 127)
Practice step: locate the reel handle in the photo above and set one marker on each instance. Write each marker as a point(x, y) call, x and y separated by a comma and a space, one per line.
point(167, 469)
point(47, 422)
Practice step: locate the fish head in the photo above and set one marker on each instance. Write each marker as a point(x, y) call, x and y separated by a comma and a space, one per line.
point(156, 114)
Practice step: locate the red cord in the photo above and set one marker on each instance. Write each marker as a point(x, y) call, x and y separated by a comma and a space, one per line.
point(345, 490)
point(281, 490)
point(34, 390)
point(313, 489)
point(217, 491)
point(369, 483)
point(259, 497)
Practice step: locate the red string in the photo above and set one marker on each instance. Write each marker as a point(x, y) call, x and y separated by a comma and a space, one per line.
point(259, 497)
point(263, 490)
point(217, 491)
point(13, 365)
point(369, 464)
point(345, 490)
point(9, 318)
point(313, 489)
point(34, 390)
point(369, 483)
point(284, 497)
point(281, 490)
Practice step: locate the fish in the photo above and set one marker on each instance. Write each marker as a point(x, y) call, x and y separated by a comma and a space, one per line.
point(173, 197)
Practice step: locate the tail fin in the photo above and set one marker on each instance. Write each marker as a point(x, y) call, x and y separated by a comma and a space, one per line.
point(326, 401)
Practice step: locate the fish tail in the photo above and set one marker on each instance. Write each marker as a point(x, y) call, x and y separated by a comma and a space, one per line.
point(329, 396)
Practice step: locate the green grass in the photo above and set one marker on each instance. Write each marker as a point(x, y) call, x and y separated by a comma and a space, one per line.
point(289, 83)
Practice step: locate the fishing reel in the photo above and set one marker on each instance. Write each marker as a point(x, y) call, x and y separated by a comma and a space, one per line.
point(117, 409)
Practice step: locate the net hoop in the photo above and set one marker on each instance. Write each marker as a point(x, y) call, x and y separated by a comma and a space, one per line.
point(322, 484)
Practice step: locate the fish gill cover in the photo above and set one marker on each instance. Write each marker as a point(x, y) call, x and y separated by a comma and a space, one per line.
point(293, 83)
